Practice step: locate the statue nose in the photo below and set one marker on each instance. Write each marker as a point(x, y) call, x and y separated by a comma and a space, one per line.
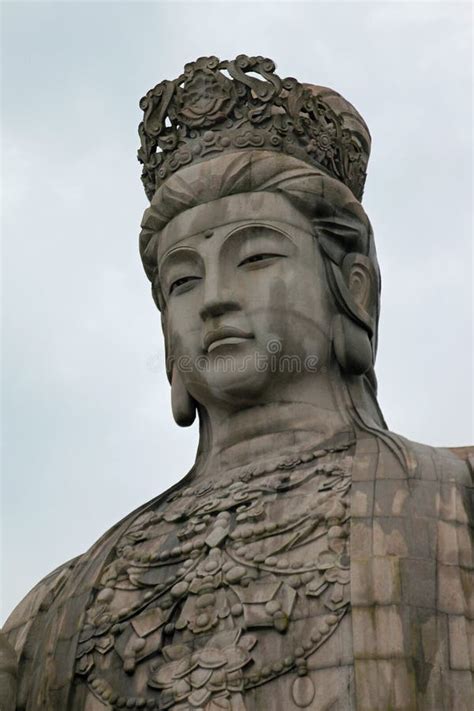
point(218, 296)
point(217, 307)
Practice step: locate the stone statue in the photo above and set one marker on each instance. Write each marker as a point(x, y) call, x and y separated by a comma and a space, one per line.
point(311, 559)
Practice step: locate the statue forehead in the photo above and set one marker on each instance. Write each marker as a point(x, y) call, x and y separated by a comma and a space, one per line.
point(227, 213)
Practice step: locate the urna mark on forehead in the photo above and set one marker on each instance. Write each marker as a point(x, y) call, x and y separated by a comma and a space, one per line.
point(224, 215)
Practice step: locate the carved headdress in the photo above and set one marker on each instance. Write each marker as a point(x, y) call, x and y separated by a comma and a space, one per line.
point(259, 132)
point(219, 107)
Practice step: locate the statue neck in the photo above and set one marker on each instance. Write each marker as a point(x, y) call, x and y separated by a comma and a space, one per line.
point(288, 423)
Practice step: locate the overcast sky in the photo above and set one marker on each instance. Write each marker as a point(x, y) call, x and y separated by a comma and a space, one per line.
point(88, 432)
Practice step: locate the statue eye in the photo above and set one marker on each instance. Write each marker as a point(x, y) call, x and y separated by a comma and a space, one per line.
point(182, 284)
point(259, 258)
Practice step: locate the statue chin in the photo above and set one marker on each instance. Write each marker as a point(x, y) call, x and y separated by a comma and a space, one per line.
point(233, 379)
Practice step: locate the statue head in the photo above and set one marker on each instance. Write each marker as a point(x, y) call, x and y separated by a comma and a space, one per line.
point(261, 257)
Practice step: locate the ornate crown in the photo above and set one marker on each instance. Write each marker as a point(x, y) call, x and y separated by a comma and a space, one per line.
point(216, 107)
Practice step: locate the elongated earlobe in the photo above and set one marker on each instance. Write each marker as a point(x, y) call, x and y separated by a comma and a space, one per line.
point(352, 346)
point(182, 404)
point(351, 334)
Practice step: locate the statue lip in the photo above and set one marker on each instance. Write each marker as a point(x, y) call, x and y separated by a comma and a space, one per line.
point(227, 334)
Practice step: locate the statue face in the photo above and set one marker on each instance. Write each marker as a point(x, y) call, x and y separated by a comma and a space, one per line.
point(248, 310)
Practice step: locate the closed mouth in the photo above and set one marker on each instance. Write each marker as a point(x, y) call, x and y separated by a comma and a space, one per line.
point(227, 335)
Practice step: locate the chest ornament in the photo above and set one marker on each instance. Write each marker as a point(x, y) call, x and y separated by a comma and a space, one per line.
point(222, 588)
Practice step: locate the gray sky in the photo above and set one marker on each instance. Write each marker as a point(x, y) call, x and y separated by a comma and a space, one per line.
point(88, 432)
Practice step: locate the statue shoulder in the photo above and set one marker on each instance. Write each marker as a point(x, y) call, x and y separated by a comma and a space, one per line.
point(40, 597)
point(464, 454)
point(424, 462)
point(446, 464)
point(418, 479)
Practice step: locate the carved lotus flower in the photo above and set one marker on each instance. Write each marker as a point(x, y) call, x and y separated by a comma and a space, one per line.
point(335, 566)
point(206, 679)
point(207, 98)
point(321, 143)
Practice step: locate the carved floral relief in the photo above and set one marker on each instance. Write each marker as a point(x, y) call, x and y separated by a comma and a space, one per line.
point(187, 610)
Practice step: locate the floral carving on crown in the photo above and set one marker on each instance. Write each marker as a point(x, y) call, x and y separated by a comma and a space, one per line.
point(224, 106)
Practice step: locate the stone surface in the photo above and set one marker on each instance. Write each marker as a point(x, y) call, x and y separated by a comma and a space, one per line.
point(311, 559)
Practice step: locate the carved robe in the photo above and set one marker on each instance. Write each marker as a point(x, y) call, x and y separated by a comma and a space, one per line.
point(340, 578)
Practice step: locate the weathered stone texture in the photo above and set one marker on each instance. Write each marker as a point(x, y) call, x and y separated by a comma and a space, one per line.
point(311, 559)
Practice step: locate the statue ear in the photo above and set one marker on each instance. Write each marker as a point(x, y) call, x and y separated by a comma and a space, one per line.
point(359, 281)
point(351, 340)
point(182, 404)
